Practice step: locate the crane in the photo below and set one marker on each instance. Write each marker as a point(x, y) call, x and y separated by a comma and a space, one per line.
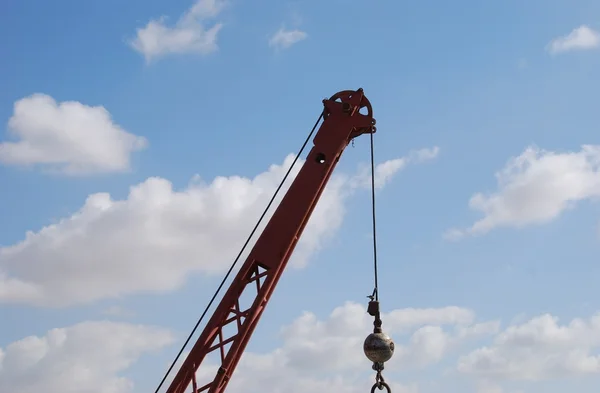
point(345, 116)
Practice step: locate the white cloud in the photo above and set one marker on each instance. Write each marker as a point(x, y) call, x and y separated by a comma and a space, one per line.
point(536, 187)
point(453, 234)
point(155, 238)
point(539, 349)
point(67, 137)
point(84, 358)
point(385, 171)
point(284, 39)
point(581, 38)
point(188, 35)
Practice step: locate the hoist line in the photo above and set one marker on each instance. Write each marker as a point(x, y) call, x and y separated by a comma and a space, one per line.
point(376, 290)
point(262, 216)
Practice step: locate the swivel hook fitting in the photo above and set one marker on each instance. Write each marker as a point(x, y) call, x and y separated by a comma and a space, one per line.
point(380, 384)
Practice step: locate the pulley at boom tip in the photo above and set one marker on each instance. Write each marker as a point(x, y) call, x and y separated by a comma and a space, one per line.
point(352, 103)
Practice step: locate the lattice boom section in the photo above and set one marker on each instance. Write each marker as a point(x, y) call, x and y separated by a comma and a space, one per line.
point(223, 337)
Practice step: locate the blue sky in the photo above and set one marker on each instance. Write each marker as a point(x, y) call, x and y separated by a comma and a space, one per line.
point(127, 137)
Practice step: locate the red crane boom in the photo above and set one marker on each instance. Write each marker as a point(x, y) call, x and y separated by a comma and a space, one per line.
point(342, 122)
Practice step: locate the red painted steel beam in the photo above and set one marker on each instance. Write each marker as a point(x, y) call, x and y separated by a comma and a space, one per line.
point(261, 271)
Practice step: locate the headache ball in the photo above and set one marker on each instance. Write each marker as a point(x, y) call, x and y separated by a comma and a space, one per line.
point(378, 347)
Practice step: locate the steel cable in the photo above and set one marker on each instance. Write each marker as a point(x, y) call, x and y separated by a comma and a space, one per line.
point(376, 290)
